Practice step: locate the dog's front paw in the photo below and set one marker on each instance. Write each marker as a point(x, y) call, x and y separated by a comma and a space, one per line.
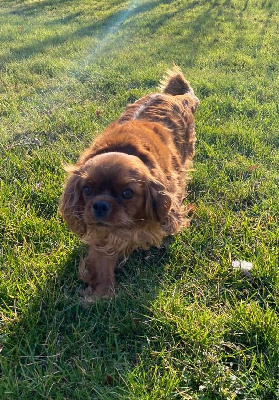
point(85, 274)
point(97, 271)
point(98, 292)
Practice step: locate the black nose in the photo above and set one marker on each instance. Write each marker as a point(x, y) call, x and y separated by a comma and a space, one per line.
point(101, 208)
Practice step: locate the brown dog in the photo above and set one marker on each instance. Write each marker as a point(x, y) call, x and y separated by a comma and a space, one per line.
point(126, 190)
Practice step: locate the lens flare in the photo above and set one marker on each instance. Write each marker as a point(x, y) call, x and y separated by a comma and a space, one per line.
point(108, 34)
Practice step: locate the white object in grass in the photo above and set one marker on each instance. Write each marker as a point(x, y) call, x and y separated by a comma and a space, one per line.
point(244, 266)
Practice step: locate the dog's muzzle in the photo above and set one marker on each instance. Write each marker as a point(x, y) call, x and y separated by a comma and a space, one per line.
point(101, 209)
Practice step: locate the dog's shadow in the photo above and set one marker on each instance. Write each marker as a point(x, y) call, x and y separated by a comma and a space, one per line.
point(58, 332)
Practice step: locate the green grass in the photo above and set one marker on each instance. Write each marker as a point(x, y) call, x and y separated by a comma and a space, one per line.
point(184, 324)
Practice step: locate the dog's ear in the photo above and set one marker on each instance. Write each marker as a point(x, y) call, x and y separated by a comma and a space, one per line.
point(72, 204)
point(194, 104)
point(158, 202)
point(162, 208)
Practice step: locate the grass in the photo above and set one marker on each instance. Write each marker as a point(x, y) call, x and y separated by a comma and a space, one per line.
point(184, 324)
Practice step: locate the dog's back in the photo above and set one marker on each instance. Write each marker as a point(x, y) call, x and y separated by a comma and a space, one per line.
point(172, 107)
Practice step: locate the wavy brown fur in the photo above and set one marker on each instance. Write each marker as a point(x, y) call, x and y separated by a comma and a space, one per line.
point(148, 151)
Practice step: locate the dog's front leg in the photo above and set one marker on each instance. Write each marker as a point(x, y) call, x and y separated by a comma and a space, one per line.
point(97, 270)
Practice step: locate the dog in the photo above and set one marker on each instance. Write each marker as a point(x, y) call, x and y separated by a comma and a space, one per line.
point(126, 191)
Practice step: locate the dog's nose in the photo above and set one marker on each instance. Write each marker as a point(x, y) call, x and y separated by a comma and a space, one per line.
point(101, 208)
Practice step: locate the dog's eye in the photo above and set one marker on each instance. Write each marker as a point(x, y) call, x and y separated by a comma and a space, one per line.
point(127, 194)
point(87, 190)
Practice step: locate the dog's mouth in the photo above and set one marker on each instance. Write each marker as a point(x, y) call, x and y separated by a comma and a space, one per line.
point(102, 224)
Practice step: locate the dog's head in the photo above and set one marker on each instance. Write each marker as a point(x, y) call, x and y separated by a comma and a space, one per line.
point(112, 191)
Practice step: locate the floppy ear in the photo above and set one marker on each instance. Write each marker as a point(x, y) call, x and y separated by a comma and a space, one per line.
point(157, 202)
point(72, 204)
point(194, 104)
point(161, 207)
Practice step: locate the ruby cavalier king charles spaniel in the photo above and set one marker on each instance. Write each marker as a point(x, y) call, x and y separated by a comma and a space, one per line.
point(126, 190)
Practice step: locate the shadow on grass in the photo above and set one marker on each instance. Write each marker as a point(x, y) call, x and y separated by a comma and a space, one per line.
point(201, 26)
point(98, 29)
point(36, 6)
point(204, 28)
point(59, 339)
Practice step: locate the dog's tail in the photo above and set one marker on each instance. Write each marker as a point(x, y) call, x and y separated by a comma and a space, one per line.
point(175, 84)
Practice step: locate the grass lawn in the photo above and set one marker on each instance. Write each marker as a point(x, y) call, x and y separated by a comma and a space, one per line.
point(184, 324)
